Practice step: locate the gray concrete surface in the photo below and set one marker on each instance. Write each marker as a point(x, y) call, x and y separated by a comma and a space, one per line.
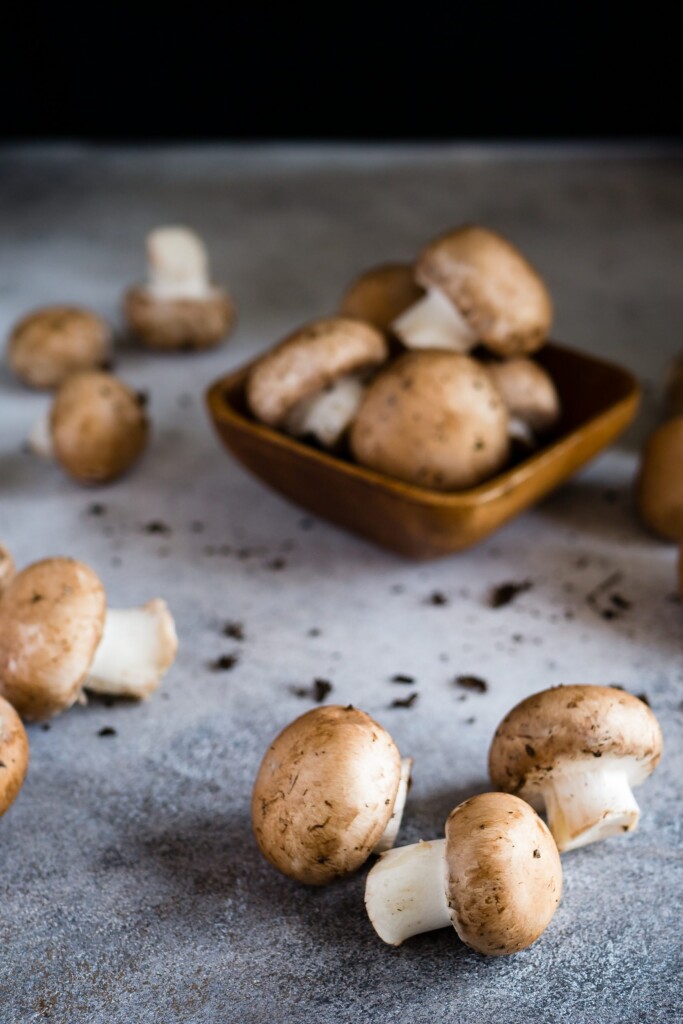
point(130, 886)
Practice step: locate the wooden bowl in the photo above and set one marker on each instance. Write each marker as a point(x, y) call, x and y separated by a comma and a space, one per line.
point(599, 400)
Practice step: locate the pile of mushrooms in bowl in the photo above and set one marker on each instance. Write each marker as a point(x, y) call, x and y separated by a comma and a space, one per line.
point(426, 374)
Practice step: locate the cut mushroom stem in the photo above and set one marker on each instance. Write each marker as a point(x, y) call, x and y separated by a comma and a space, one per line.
point(388, 837)
point(39, 440)
point(138, 645)
point(585, 804)
point(434, 322)
point(406, 892)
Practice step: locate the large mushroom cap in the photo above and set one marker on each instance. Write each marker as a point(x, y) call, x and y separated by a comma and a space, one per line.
point(14, 755)
point(381, 294)
point(179, 325)
point(324, 794)
point(660, 482)
point(99, 427)
point(51, 621)
point(495, 289)
point(308, 360)
point(568, 724)
point(503, 873)
point(434, 419)
point(528, 392)
point(50, 344)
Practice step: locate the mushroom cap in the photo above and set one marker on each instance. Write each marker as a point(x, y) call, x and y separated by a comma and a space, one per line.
point(568, 724)
point(433, 419)
point(660, 483)
point(496, 290)
point(182, 324)
point(51, 621)
point(381, 294)
point(7, 567)
point(14, 755)
point(503, 873)
point(528, 392)
point(51, 343)
point(308, 360)
point(99, 427)
point(324, 794)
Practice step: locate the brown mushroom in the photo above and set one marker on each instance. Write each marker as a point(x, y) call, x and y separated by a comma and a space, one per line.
point(660, 484)
point(433, 419)
point(529, 394)
point(480, 288)
point(178, 309)
point(329, 792)
point(381, 294)
point(50, 344)
point(496, 877)
point(14, 755)
point(578, 750)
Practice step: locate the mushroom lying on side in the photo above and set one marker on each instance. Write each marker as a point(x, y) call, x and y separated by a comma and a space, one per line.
point(313, 381)
point(479, 289)
point(14, 755)
point(330, 791)
point(50, 344)
point(578, 750)
point(57, 637)
point(659, 487)
point(178, 308)
point(496, 877)
point(530, 396)
point(96, 429)
point(381, 294)
point(7, 569)
point(434, 419)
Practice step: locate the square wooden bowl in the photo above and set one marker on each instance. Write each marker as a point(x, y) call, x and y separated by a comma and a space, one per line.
point(599, 400)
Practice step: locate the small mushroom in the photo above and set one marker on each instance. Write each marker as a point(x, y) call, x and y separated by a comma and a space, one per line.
point(50, 344)
point(433, 419)
point(330, 791)
point(7, 568)
point(496, 877)
point(96, 429)
point(530, 396)
point(178, 308)
point(57, 637)
point(578, 750)
point(381, 294)
point(312, 382)
point(14, 755)
point(480, 288)
point(659, 489)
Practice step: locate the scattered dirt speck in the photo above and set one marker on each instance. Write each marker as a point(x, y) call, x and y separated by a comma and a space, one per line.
point(473, 683)
point(505, 593)
point(404, 702)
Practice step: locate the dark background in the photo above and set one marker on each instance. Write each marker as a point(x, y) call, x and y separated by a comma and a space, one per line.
point(490, 71)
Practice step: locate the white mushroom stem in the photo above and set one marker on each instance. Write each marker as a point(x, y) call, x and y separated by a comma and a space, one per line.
point(329, 413)
point(138, 645)
point(519, 430)
point(434, 322)
point(587, 802)
point(178, 264)
point(405, 893)
point(40, 439)
point(388, 837)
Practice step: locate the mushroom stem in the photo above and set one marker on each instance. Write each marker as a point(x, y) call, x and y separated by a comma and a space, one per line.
point(434, 322)
point(327, 414)
point(388, 837)
point(178, 265)
point(405, 893)
point(587, 803)
point(519, 430)
point(39, 440)
point(138, 645)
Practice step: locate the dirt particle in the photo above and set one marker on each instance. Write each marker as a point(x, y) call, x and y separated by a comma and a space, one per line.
point(505, 593)
point(97, 509)
point(317, 691)
point(438, 599)
point(235, 630)
point(157, 526)
point(277, 564)
point(106, 730)
point(400, 677)
point(473, 683)
point(404, 702)
point(225, 663)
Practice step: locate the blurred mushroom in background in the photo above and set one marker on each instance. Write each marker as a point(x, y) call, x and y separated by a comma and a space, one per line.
point(50, 344)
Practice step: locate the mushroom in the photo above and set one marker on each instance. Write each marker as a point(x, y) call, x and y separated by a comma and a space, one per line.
point(381, 294)
point(578, 750)
point(673, 390)
point(57, 637)
point(330, 791)
point(659, 489)
point(479, 289)
point(6, 568)
point(530, 396)
point(96, 429)
point(496, 877)
point(178, 308)
point(51, 343)
point(433, 419)
point(14, 755)
point(312, 382)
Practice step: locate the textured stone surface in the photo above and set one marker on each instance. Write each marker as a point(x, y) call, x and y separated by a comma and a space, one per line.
point(130, 886)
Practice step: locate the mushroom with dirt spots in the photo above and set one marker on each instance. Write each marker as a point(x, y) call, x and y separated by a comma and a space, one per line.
point(330, 791)
point(496, 877)
point(57, 638)
point(578, 750)
point(50, 344)
point(14, 755)
point(381, 294)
